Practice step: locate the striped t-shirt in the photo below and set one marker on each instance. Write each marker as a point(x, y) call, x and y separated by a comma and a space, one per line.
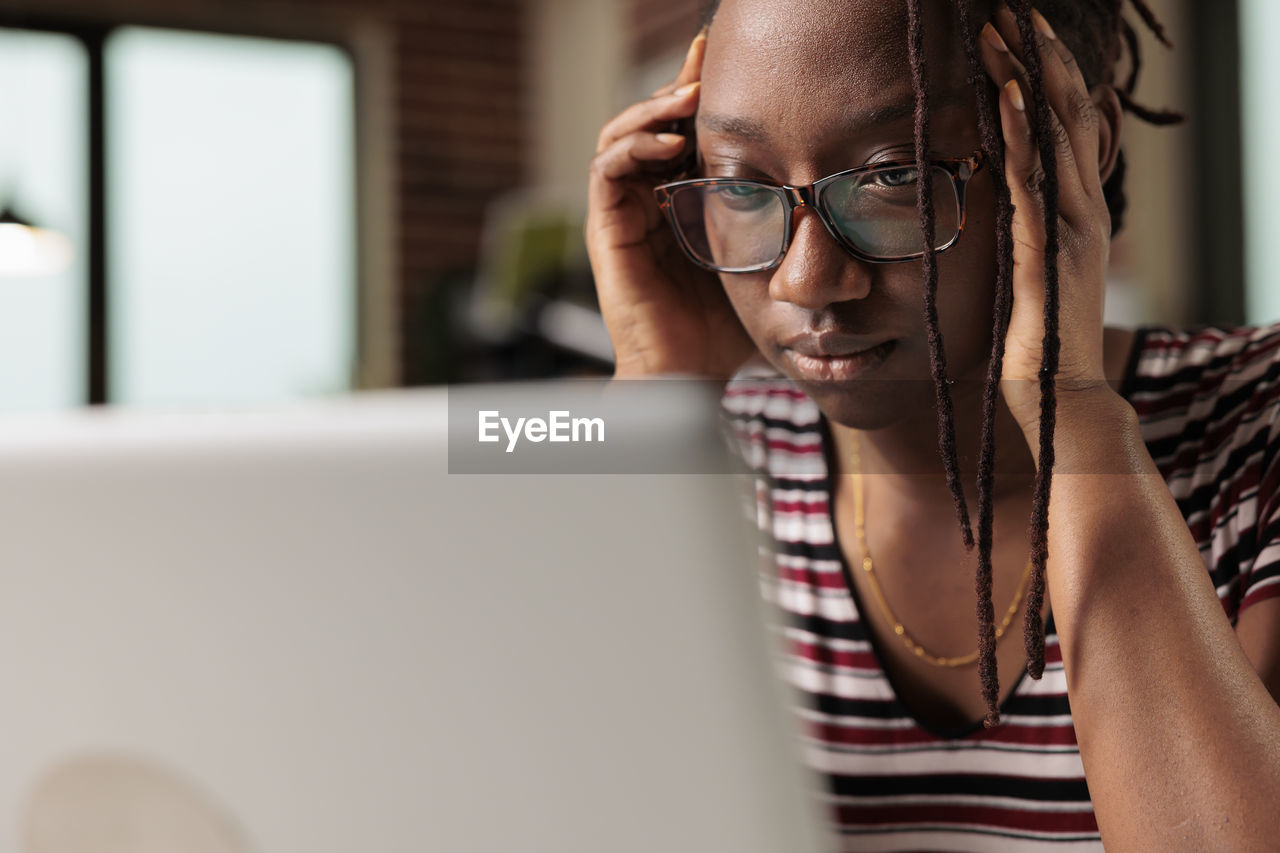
point(1208, 400)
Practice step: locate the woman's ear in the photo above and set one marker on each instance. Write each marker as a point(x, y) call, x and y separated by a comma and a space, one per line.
point(1110, 119)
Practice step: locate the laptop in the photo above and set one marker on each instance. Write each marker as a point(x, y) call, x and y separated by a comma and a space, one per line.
point(342, 625)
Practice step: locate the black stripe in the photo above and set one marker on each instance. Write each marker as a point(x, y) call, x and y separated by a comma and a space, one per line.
point(1001, 747)
point(1224, 408)
point(1205, 496)
point(1192, 376)
point(790, 484)
point(811, 550)
point(825, 703)
point(1036, 705)
point(1013, 787)
point(1270, 533)
point(1217, 370)
point(1257, 576)
point(1227, 567)
point(753, 418)
point(1044, 837)
point(852, 631)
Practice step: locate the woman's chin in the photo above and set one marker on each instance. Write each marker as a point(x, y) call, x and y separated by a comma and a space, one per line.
point(868, 404)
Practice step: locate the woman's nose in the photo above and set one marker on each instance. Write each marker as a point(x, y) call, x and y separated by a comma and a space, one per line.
point(816, 270)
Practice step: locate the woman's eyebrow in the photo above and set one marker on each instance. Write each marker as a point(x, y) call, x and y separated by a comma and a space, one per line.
point(752, 130)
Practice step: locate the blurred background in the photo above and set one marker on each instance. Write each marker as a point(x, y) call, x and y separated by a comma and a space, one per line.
point(224, 201)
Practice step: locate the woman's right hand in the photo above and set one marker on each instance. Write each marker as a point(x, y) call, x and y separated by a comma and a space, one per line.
point(664, 314)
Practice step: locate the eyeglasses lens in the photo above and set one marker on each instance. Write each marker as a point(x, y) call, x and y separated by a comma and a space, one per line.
point(877, 212)
point(740, 226)
point(731, 226)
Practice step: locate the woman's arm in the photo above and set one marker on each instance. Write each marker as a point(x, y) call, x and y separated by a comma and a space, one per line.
point(1179, 736)
point(664, 315)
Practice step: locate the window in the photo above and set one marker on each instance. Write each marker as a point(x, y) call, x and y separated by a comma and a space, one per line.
point(229, 200)
point(231, 217)
point(1260, 79)
point(43, 178)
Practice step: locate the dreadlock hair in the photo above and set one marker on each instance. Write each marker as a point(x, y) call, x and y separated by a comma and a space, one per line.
point(1097, 33)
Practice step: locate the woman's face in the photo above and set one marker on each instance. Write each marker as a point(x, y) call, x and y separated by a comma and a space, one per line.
point(795, 90)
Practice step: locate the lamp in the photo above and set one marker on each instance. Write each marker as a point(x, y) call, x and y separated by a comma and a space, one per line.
point(28, 251)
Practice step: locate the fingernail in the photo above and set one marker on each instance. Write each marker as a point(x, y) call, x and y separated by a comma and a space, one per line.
point(1015, 95)
point(670, 138)
point(697, 40)
point(1041, 24)
point(993, 38)
point(687, 89)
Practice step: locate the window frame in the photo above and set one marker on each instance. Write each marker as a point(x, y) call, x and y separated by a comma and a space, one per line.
point(93, 34)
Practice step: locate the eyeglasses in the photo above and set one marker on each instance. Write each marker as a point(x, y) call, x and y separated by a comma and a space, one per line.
point(739, 226)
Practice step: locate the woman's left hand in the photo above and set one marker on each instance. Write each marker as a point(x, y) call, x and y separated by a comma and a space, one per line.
point(1084, 223)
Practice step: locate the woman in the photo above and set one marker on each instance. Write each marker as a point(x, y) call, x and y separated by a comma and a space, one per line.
point(972, 340)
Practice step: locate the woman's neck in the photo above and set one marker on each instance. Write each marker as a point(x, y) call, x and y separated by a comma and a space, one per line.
point(905, 455)
point(906, 460)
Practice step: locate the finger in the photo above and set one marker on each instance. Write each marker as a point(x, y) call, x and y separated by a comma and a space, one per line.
point(1079, 143)
point(1066, 92)
point(681, 103)
point(1008, 23)
point(1070, 98)
point(627, 158)
point(1064, 53)
point(1075, 203)
point(692, 68)
point(1023, 170)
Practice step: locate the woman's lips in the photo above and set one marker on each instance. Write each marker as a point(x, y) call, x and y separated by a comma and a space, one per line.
point(840, 368)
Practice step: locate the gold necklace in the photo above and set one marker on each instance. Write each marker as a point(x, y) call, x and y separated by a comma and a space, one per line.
point(919, 651)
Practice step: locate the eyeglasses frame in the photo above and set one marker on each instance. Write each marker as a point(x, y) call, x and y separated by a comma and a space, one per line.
point(959, 169)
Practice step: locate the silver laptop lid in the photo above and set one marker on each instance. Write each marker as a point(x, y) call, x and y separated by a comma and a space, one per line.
point(292, 629)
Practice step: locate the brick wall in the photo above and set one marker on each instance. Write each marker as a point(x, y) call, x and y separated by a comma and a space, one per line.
point(462, 130)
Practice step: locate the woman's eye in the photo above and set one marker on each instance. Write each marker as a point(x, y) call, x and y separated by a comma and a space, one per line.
point(743, 191)
point(743, 197)
point(893, 178)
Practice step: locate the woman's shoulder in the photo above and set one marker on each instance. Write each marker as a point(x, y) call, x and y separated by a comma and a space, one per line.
point(1204, 391)
point(1208, 404)
point(1172, 366)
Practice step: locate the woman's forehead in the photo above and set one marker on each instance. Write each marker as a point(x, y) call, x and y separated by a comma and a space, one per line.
point(821, 44)
point(777, 61)
point(836, 31)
